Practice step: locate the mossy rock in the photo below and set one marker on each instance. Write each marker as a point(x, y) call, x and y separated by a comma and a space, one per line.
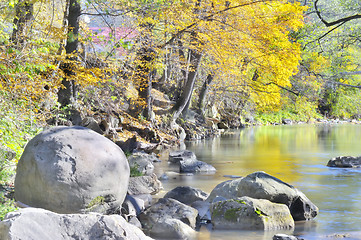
point(250, 214)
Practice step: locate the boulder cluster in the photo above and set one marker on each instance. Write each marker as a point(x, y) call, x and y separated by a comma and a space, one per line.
point(76, 184)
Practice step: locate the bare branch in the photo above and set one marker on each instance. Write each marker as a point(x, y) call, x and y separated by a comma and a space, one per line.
point(338, 21)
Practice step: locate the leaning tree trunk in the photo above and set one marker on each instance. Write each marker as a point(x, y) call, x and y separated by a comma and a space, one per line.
point(67, 95)
point(22, 20)
point(184, 99)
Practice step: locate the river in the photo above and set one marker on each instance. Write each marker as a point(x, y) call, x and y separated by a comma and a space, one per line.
point(296, 154)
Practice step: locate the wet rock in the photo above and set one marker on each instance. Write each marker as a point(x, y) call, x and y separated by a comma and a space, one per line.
point(189, 163)
point(72, 170)
point(189, 166)
point(251, 214)
point(227, 189)
point(144, 185)
point(345, 162)
point(182, 155)
point(168, 208)
point(186, 195)
point(170, 175)
point(261, 185)
point(285, 237)
point(35, 223)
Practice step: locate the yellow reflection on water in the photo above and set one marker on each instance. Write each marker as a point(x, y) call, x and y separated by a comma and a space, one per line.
point(278, 150)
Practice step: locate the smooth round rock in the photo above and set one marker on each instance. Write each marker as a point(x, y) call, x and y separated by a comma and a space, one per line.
point(72, 170)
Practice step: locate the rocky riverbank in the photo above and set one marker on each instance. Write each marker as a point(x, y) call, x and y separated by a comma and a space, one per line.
point(82, 180)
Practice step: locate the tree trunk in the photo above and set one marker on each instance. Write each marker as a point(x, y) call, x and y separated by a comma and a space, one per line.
point(181, 105)
point(22, 20)
point(194, 58)
point(67, 95)
point(203, 93)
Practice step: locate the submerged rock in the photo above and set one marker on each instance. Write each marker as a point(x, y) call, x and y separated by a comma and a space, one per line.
point(251, 214)
point(345, 162)
point(189, 166)
point(72, 170)
point(36, 223)
point(349, 236)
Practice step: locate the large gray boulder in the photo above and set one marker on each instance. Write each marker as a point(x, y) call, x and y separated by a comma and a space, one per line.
point(345, 162)
point(227, 190)
point(72, 170)
point(35, 223)
point(168, 208)
point(186, 194)
point(261, 185)
point(251, 214)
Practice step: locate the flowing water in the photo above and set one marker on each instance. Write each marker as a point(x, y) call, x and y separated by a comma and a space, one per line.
point(296, 154)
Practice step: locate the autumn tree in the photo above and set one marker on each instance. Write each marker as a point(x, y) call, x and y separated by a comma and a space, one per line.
point(245, 43)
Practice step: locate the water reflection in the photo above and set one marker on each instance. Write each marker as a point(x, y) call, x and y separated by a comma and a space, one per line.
point(296, 154)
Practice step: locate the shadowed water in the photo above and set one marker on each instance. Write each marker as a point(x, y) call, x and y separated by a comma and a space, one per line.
point(296, 154)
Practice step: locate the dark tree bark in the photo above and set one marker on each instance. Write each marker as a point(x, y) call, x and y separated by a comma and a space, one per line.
point(22, 20)
point(67, 95)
